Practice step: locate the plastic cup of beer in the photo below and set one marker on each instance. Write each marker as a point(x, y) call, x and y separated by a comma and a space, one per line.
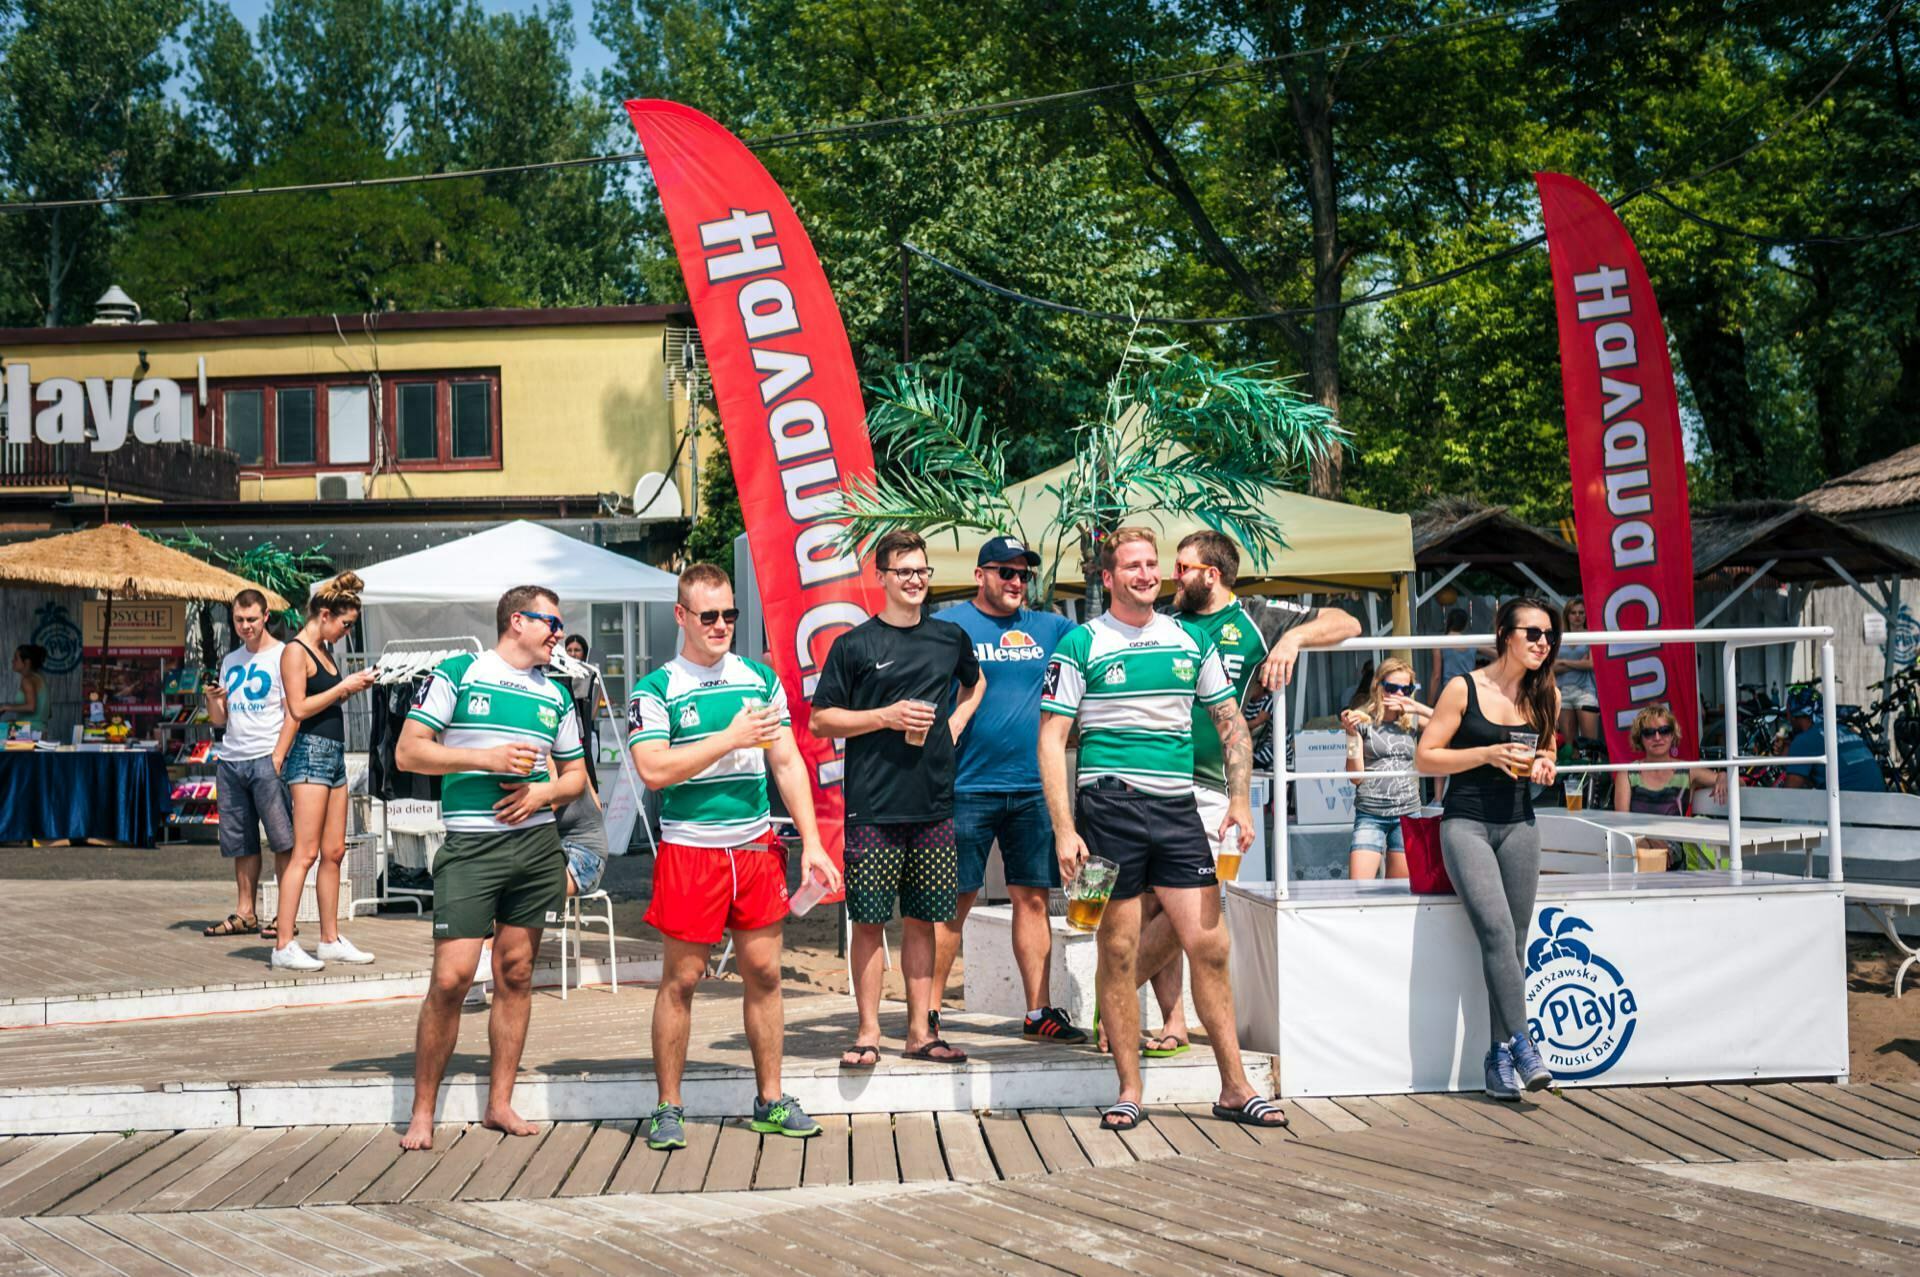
point(1575, 791)
point(1226, 866)
point(920, 737)
point(1087, 894)
point(1528, 741)
point(754, 704)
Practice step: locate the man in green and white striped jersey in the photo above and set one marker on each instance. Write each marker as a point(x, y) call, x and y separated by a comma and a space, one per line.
point(490, 724)
point(707, 729)
point(1132, 677)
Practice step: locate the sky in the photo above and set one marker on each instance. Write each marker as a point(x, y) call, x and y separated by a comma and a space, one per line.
point(589, 54)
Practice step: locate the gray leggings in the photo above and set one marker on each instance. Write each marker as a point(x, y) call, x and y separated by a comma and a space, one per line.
point(1496, 871)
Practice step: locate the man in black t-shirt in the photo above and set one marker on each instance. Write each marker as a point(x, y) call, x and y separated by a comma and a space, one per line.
point(885, 689)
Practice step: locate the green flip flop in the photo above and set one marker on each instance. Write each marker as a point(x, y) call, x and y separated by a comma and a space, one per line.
point(1158, 1052)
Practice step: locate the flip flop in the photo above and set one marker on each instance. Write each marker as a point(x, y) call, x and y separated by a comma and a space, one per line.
point(925, 1053)
point(1154, 1051)
point(1127, 1111)
point(1253, 1113)
point(862, 1050)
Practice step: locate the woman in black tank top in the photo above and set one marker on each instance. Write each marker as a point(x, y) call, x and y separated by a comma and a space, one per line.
point(315, 773)
point(1487, 835)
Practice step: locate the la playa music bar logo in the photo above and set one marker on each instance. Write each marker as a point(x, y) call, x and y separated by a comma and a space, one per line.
point(1581, 1011)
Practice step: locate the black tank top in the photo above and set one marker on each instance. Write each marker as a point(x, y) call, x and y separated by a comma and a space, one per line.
point(329, 722)
point(1486, 793)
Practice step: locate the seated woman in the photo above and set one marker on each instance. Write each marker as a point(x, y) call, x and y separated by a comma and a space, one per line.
point(28, 660)
point(1663, 785)
point(1381, 734)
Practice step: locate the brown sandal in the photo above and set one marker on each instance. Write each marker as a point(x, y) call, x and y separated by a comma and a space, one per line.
point(235, 925)
point(271, 931)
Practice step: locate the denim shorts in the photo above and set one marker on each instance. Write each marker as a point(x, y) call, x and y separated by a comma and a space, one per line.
point(315, 760)
point(250, 796)
point(585, 864)
point(1024, 830)
point(1377, 834)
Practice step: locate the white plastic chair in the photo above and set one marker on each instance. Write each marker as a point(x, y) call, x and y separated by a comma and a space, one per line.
point(573, 923)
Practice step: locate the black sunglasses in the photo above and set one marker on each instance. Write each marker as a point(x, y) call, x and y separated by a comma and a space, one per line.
point(1657, 731)
point(1022, 575)
point(712, 614)
point(1535, 634)
point(1399, 689)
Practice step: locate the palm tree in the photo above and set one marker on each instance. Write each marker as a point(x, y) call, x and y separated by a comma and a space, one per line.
point(1175, 434)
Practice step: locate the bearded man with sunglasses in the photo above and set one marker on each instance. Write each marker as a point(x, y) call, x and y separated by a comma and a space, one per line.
point(887, 689)
point(708, 727)
point(996, 788)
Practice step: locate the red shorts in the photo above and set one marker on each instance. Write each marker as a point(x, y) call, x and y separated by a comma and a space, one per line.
point(700, 893)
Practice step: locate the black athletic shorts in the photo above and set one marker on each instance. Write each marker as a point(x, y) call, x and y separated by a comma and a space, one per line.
point(1157, 840)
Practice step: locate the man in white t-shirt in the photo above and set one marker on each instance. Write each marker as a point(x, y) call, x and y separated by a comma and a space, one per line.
point(250, 703)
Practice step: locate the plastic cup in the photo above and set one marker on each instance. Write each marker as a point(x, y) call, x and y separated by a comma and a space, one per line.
point(918, 739)
point(1227, 866)
point(1529, 741)
point(1575, 792)
point(811, 893)
point(1089, 891)
point(756, 704)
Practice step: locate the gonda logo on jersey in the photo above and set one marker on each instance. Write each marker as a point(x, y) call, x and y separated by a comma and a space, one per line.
point(1580, 1010)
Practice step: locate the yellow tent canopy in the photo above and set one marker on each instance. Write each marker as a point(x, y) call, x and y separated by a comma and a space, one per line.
point(1331, 546)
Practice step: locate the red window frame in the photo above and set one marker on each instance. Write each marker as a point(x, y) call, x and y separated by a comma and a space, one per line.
point(209, 424)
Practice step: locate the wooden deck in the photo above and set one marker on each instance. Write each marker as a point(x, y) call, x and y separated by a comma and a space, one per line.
point(1617, 1181)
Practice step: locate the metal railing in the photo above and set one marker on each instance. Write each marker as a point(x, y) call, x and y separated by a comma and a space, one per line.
point(1732, 641)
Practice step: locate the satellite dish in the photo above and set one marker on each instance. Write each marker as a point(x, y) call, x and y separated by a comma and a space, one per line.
point(655, 497)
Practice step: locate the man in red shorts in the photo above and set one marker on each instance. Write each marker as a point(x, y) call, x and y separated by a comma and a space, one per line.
point(707, 727)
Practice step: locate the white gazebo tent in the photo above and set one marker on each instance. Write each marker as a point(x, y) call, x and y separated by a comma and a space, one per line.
point(450, 590)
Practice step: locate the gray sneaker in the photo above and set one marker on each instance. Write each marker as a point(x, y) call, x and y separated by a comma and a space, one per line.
point(667, 1128)
point(783, 1116)
point(1501, 1082)
point(1532, 1070)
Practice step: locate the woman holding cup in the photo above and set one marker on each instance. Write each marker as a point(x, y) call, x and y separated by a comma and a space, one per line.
point(1382, 734)
point(1492, 732)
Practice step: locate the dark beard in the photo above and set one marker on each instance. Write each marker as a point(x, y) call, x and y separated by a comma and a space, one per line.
point(1191, 602)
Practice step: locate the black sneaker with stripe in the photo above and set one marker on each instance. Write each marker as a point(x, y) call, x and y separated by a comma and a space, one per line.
point(1052, 1025)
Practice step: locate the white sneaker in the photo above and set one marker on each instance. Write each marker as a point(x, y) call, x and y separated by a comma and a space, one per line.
point(294, 958)
point(343, 950)
point(481, 991)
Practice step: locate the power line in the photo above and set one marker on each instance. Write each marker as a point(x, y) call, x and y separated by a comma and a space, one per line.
point(982, 111)
point(1781, 241)
point(1652, 189)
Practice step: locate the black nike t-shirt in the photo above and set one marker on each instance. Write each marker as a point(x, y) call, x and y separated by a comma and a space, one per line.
point(888, 781)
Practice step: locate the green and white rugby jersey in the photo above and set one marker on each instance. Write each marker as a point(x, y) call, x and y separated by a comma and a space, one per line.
point(681, 702)
point(479, 702)
point(1133, 690)
point(1242, 648)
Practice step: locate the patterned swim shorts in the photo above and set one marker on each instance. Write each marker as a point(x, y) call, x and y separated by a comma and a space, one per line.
point(913, 862)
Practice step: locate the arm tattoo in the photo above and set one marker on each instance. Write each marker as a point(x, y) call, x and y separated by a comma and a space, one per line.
point(1236, 747)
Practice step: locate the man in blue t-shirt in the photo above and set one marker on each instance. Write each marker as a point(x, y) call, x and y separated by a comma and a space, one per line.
point(996, 787)
point(1859, 770)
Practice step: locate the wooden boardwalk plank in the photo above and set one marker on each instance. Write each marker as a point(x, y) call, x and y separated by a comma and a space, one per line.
point(1893, 1097)
point(908, 1253)
point(782, 1160)
point(275, 1167)
point(358, 1175)
point(475, 1143)
point(56, 1187)
point(615, 1240)
point(516, 1228)
point(1860, 1100)
point(104, 1246)
point(1102, 1147)
point(1365, 1111)
point(965, 1148)
point(1760, 1126)
point(144, 1234)
point(56, 1255)
point(922, 1230)
point(1330, 1115)
point(408, 1170)
point(1146, 1243)
point(1462, 1112)
point(54, 1170)
point(1600, 1104)
point(594, 1169)
point(236, 1149)
point(1145, 1142)
point(640, 1168)
point(874, 1158)
point(373, 1222)
point(980, 1214)
point(829, 1154)
point(308, 1228)
point(1703, 1125)
point(1011, 1146)
point(504, 1164)
point(686, 1168)
point(735, 1155)
point(296, 1253)
point(326, 1162)
point(1179, 1131)
point(1054, 1141)
point(198, 1228)
point(39, 1153)
point(918, 1146)
point(547, 1168)
point(1872, 1135)
point(1603, 1137)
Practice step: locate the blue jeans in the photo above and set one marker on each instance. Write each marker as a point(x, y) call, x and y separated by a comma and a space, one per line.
point(1378, 834)
point(1025, 832)
point(315, 760)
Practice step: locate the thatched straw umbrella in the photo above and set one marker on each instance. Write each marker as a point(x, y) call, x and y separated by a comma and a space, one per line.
point(116, 560)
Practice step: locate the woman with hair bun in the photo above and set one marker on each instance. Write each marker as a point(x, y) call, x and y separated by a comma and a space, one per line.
point(315, 772)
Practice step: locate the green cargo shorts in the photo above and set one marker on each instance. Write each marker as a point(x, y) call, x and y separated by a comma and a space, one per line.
point(515, 877)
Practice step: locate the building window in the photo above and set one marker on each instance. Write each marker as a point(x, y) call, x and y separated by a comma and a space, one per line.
point(417, 420)
point(244, 434)
point(472, 420)
point(294, 438)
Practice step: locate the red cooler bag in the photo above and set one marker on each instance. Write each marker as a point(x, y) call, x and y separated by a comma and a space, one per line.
point(1426, 870)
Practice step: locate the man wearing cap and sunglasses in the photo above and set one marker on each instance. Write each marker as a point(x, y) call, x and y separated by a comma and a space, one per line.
point(996, 788)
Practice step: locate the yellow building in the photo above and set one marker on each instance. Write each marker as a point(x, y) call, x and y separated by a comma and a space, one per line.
point(340, 423)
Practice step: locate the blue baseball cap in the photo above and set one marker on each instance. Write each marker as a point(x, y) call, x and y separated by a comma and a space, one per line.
point(1803, 702)
point(1005, 550)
